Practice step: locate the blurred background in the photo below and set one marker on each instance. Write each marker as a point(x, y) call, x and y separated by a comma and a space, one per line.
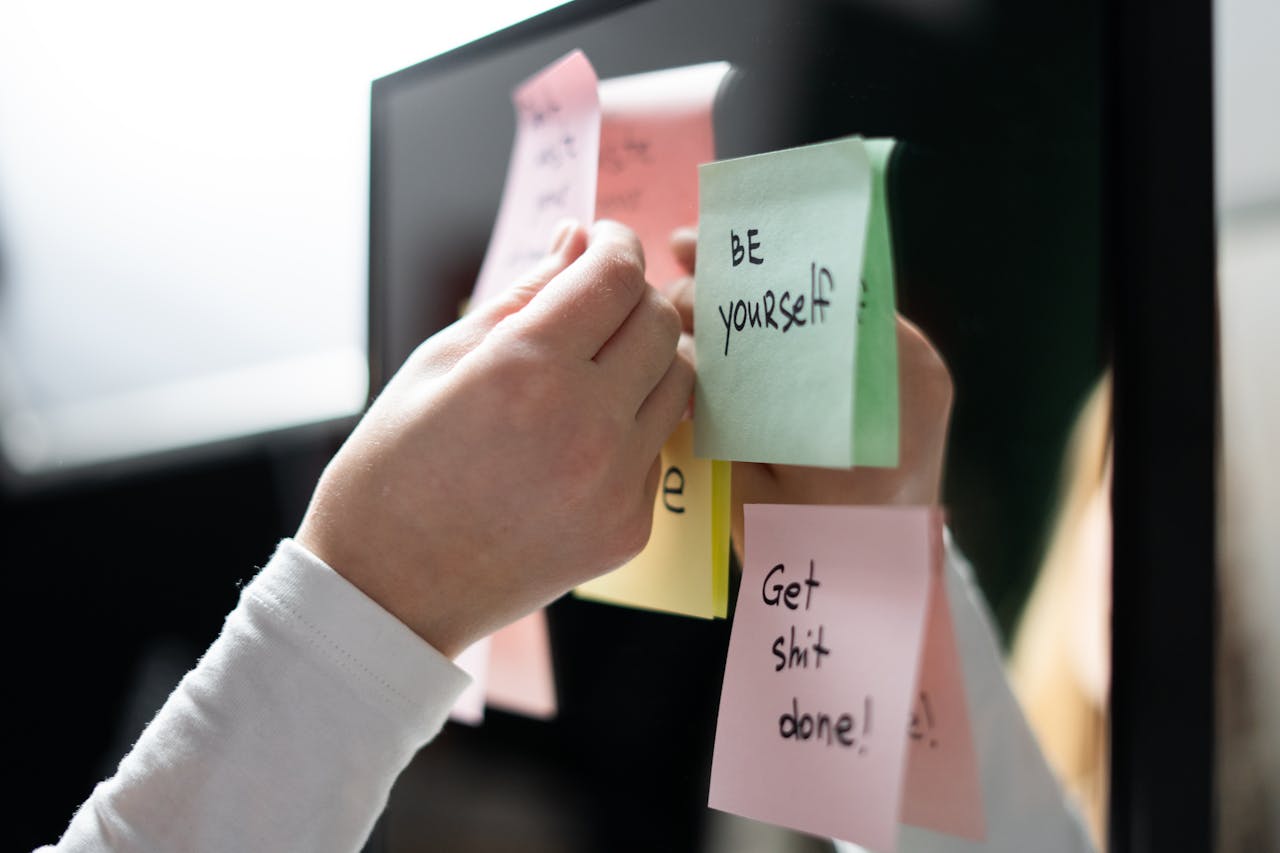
point(183, 313)
point(183, 288)
point(1247, 139)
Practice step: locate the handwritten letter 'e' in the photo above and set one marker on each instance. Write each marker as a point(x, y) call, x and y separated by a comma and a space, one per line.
point(656, 130)
point(684, 568)
point(784, 298)
point(552, 173)
point(821, 682)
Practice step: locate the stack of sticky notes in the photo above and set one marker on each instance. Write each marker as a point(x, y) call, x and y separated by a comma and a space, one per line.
point(843, 709)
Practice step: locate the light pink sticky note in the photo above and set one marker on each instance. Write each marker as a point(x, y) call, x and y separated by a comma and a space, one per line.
point(510, 670)
point(552, 172)
point(520, 674)
point(656, 129)
point(942, 789)
point(822, 667)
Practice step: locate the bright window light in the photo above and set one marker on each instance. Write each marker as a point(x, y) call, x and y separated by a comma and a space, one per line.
point(183, 205)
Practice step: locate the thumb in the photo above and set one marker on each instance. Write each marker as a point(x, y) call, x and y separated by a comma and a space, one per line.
point(569, 242)
point(439, 353)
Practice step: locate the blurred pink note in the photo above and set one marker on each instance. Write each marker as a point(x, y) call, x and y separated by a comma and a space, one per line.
point(655, 130)
point(520, 675)
point(474, 661)
point(942, 789)
point(552, 172)
point(822, 667)
point(510, 670)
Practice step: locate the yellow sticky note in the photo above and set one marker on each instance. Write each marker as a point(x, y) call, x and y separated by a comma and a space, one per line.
point(685, 567)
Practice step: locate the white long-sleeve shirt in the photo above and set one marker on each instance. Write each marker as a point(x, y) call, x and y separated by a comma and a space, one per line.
point(291, 730)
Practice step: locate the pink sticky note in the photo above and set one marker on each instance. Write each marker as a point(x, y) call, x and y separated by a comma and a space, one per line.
point(942, 789)
point(822, 668)
point(655, 130)
point(520, 675)
point(552, 173)
point(510, 670)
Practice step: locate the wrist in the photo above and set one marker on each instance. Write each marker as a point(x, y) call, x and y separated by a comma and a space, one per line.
point(385, 581)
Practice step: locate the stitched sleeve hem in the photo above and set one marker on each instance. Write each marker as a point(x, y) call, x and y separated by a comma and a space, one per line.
point(405, 674)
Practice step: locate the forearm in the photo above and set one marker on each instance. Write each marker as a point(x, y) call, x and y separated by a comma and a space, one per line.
point(289, 732)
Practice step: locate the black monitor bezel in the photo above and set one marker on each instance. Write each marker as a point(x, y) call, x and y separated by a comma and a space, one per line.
point(1159, 260)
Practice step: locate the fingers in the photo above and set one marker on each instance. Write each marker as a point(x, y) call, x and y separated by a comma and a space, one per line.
point(681, 295)
point(684, 245)
point(639, 353)
point(666, 403)
point(585, 305)
point(438, 354)
point(925, 413)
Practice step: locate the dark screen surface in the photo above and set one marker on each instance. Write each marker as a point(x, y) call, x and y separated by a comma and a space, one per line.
point(995, 199)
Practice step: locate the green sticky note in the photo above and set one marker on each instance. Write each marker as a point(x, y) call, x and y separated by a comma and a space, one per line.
point(797, 356)
point(875, 410)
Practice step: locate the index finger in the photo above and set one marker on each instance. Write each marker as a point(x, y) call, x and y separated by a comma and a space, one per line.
point(681, 295)
point(584, 305)
point(684, 245)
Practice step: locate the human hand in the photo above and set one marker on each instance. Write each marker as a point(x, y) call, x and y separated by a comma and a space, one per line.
point(515, 454)
point(925, 395)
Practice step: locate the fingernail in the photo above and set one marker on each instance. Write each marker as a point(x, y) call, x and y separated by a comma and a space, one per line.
point(563, 230)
